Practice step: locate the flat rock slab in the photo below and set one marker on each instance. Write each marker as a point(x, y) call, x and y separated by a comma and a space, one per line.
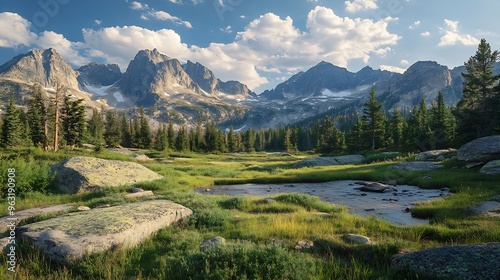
point(467, 262)
point(480, 150)
point(79, 174)
point(417, 166)
point(75, 235)
point(33, 212)
point(326, 161)
point(491, 168)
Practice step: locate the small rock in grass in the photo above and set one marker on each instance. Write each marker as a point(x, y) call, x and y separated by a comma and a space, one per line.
point(304, 244)
point(83, 208)
point(140, 194)
point(136, 190)
point(359, 239)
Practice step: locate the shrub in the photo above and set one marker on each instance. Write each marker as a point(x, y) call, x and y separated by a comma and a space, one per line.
point(243, 260)
point(30, 176)
point(214, 218)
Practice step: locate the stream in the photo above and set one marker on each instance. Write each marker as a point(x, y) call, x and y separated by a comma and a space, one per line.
point(389, 205)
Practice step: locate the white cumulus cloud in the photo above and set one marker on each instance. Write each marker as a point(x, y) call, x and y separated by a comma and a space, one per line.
point(453, 36)
point(360, 5)
point(15, 31)
point(392, 69)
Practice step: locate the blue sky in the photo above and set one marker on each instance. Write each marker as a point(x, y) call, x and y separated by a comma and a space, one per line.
point(260, 43)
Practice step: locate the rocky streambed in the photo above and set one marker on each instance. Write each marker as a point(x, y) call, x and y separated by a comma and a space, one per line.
point(389, 202)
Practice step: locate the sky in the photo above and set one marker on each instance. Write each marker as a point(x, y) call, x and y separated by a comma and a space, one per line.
point(260, 43)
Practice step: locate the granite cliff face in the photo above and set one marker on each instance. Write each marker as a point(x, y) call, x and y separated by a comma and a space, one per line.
point(96, 75)
point(209, 83)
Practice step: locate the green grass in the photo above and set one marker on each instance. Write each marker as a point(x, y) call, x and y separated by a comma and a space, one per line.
point(261, 236)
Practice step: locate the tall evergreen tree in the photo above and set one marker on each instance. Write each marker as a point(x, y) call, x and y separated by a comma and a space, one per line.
point(95, 127)
point(442, 124)
point(478, 107)
point(231, 141)
point(73, 121)
point(396, 128)
point(373, 121)
point(161, 142)
point(249, 138)
point(38, 117)
point(112, 133)
point(125, 128)
point(11, 126)
point(171, 135)
point(145, 131)
point(355, 141)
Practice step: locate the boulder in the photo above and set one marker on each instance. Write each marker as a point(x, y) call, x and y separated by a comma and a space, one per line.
point(79, 174)
point(481, 150)
point(487, 208)
point(417, 166)
point(435, 154)
point(216, 241)
point(462, 262)
point(326, 161)
point(359, 239)
point(141, 157)
point(491, 168)
point(33, 212)
point(74, 235)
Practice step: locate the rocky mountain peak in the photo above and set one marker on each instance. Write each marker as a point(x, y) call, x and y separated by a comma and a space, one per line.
point(202, 76)
point(43, 67)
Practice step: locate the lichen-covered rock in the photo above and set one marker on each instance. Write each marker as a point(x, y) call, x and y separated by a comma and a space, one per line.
point(463, 262)
point(33, 212)
point(481, 149)
point(326, 161)
point(79, 174)
point(75, 235)
point(417, 166)
point(491, 168)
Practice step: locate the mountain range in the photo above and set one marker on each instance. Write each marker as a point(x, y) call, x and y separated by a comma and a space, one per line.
point(190, 92)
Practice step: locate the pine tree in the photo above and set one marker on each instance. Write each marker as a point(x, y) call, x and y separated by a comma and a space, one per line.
point(73, 121)
point(288, 143)
point(95, 127)
point(145, 131)
point(231, 140)
point(37, 118)
point(249, 138)
point(373, 121)
point(112, 133)
point(161, 143)
point(11, 126)
point(182, 140)
point(171, 135)
point(125, 128)
point(56, 103)
point(355, 141)
point(423, 136)
point(442, 124)
point(479, 105)
point(136, 135)
point(396, 128)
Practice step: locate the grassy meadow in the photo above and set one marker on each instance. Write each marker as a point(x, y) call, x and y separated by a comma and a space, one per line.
point(260, 237)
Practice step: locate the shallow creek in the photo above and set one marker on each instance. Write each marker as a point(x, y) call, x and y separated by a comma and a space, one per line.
point(389, 205)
